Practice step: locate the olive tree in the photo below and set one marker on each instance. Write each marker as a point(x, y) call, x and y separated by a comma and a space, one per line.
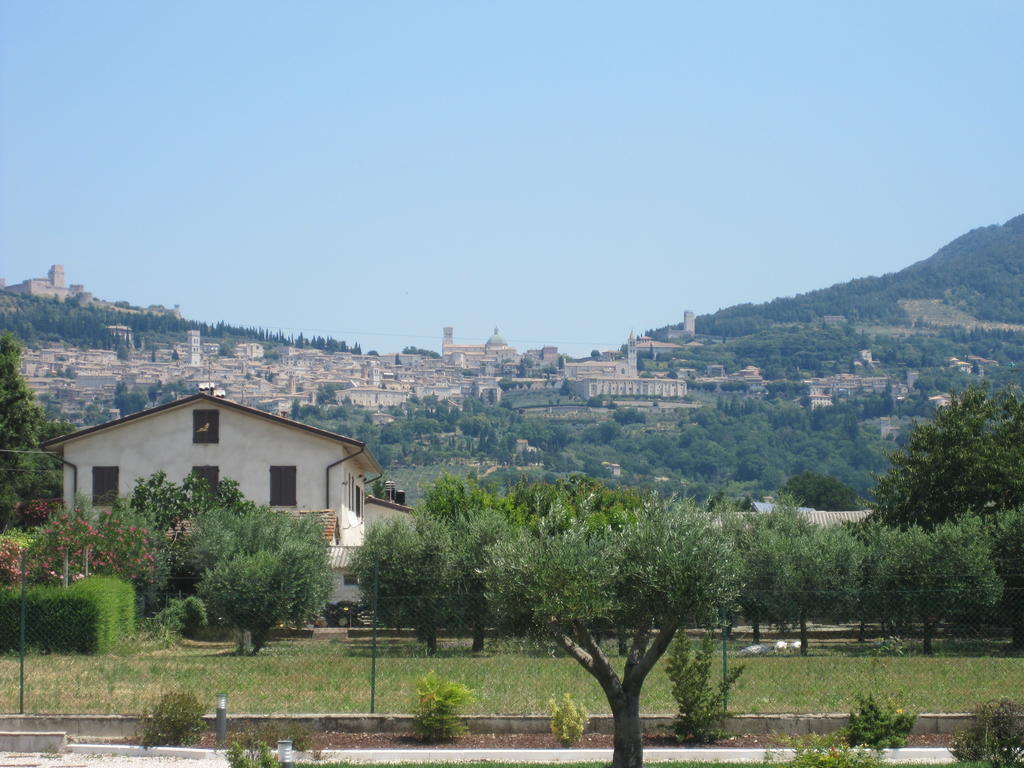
point(666, 564)
point(1007, 535)
point(925, 576)
point(260, 567)
point(428, 573)
point(795, 571)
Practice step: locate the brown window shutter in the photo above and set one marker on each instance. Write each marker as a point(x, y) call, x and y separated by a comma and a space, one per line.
point(104, 485)
point(282, 487)
point(210, 474)
point(205, 425)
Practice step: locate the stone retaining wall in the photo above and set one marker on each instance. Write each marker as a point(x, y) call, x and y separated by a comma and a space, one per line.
point(79, 727)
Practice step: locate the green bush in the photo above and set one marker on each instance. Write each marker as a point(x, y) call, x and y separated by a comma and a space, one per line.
point(437, 707)
point(996, 736)
point(90, 616)
point(878, 724)
point(830, 751)
point(249, 739)
point(260, 567)
point(259, 756)
point(568, 720)
point(115, 604)
point(700, 702)
point(183, 617)
point(175, 720)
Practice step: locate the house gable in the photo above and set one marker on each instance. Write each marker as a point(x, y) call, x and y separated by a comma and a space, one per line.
point(321, 467)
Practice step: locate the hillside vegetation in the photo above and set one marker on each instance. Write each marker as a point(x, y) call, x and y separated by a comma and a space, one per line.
point(980, 273)
point(37, 321)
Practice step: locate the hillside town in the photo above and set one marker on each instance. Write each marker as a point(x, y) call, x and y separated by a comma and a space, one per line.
point(274, 377)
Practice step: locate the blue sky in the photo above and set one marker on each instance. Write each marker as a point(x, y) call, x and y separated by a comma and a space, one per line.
point(567, 171)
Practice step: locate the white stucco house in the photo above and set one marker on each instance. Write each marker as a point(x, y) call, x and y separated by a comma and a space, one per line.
point(275, 461)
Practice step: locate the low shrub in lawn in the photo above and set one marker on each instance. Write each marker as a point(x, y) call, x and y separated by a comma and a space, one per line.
point(830, 750)
point(878, 724)
point(996, 736)
point(438, 705)
point(568, 720)
point(175, 720)
point(700, 701)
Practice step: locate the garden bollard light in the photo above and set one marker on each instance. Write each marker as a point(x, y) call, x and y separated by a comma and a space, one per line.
point(284, 753)
point(222, 719)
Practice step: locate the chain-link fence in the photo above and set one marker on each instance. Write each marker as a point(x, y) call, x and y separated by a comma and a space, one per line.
point(933, 651)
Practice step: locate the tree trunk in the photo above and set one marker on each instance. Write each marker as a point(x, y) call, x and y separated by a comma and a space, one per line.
point(757, 632)
point(623, 694)
point(929, 630)
point(478, 638)
point(803, 635)
point(259, 639)
point(628, 740)
point(1017, 618)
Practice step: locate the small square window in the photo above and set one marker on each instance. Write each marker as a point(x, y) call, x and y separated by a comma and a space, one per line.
point(205, 426)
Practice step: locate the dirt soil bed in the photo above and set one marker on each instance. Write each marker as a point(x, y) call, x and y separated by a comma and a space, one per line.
point(334, 740)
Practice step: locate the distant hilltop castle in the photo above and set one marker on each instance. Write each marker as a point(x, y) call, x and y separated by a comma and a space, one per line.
point(51, 286)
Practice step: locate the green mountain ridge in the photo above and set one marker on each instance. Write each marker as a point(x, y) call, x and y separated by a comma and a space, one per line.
point(36, 321)
point(980, 273)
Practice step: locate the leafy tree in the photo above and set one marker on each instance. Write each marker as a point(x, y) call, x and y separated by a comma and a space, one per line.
point(821, 491)
point(969, 459)
point(420, 351)
point(795, 571)
point(430, 574)
point(163, 505)
point(413, 567)
point(1007, 535)
point(473, 540)
point(23, 473)
point(260, 567)
point(456, 500)
point(924, 576)
point(666, 564)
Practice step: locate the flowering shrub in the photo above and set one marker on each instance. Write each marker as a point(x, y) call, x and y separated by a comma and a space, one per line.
point(106, 546)
point(37, 511)
point(11, 546)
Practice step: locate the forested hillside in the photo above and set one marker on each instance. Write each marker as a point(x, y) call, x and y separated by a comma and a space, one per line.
point(36, 321)
point(980, 273)
point(734, 445)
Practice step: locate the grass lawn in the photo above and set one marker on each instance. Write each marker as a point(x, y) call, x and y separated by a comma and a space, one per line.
point(322, 676)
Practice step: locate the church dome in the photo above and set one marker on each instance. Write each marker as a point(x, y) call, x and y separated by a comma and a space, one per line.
point(496, 340)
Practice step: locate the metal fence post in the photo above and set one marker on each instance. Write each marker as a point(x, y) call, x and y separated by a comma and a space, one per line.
point(21, 645)
point(373, 643)
point(725, 660)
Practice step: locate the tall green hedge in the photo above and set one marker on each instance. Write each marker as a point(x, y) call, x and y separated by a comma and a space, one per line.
point(88, 617)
